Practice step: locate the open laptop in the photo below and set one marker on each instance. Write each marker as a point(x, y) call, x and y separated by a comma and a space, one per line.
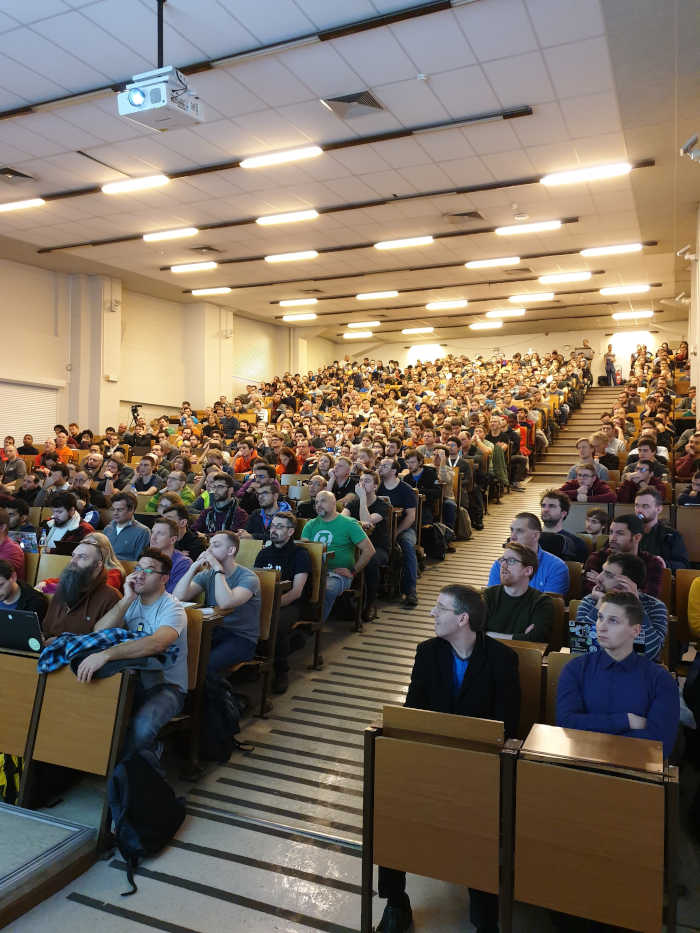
point(20, 631)
point(27, 540)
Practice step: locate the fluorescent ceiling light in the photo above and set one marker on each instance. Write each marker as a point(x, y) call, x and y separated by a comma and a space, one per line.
point(612, 250)
point(418, 330)
point(592, 173)
point(485, 325)
point(532, 296)
point(22, 205)
point(539, 227)
point(561, 277)
point(492, 263)
point(447, 304)
point(135, 184)
point(297, 302)
point(304, 316)
point(371, 296)
point(194, 266)
point(358, 335)
point(292, 257)
point(170, 234)
point(279, 158)
point(292, 217)
point(506, 312)
point(222, 290)
point(365, 324)
point(637, 289)
point(632, 315)
point(407, 241)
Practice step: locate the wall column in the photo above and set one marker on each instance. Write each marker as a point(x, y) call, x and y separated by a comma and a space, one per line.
point(694, 310)
point(210, 357)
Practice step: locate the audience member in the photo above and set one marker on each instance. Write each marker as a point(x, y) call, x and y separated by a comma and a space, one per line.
point(10, 551)
point(373, 514)
point(65, 525)
point(659, 538)
point(164, 536)
point(27, 449)
point(56, 482)
point(587, 487)
point(18, 513)
point(597, 522)
point(402, 497)
point(83, 595)
point(513, 607)
point(128, 537)
point(224, 513)
point(189, 542)
point(15, 594)
point(691, 494)
point(12, 467)
point(586, 455)
point(624, 538)
point(259, 521)
point(146, 481)
point(176, 482)
point(633, 481)
point(552, 574)
point(29, 488)
point(554, 508)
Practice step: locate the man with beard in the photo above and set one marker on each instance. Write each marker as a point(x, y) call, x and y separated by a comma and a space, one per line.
point(513, 607)
point(224, 514)
point(83, 596)
point(29, 488)
point(66, 525)
point(554, 507)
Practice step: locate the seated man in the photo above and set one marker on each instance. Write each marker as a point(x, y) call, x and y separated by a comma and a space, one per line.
point(646, 452)
point(616, 690)
point(146, 608)
point(29, 488)
point(620, 572)
point(294, 564)
point(259, 521)
point(9, 549)
point(83, 595)
point(402, 497)
point(189, 542)
point(89, 500)
point(633, 481)
point(687, 465)
point(513, 607)
point(425, 480)
point(460, 671)
point(20, 596)
point(306, 508)
point(18, 513)
point(55, 482)
point(597, 522)
point(689, 496)
point(586, 451)
point(128, 537)
point(164, 536)
point(658, 537)
point(552, 575)
point(554, 507)
point(373, 514)
point(625, 537)
point(341, 535)
point(65, 526)
point(12, 468)
point(587, 487)
point(340, 481)
point(114, 475)
point(145, 481)
point(224, 514)
point(176, 482)
point(232, 589)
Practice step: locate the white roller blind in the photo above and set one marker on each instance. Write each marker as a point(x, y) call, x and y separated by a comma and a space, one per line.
point(26, 409)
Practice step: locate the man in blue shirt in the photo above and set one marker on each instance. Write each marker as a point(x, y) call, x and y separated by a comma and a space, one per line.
point(627, 573)
point(552, 573)
point(617, 690)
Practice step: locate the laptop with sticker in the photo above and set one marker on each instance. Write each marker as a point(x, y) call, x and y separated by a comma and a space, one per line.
point(20, 631)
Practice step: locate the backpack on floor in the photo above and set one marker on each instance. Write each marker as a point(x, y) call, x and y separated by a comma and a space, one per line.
point(434, 542)
point(220, 720)
point(145, 812)
point(463, 525)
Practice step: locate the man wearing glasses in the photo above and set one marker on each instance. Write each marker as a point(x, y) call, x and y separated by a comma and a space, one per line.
point(460, 671)
point(515, 608)
point(160, 621)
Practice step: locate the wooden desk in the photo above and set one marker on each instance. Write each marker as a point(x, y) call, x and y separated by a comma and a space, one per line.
point(18, 683)
point(590, 826)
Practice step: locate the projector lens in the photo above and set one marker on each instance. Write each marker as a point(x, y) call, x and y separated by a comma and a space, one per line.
point(136, 97)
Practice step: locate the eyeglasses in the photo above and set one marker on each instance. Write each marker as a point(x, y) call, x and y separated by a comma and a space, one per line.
point(149, 570)
point(509, 561)
point(445, 608)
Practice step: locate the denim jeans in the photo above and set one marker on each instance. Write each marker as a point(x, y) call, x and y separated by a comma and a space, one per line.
point(227, 649)
point(335, 585)
point(409, 576)
point(153, 708)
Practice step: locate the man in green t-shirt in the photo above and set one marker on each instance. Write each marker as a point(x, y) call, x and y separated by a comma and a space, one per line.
point(341, 535)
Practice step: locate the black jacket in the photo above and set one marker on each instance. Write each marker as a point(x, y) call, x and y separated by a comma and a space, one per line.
point(490, 689)
point(31, 600)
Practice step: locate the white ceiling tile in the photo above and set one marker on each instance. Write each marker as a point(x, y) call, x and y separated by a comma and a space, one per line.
point(47, 59)
point(316, 121)
point(30, 12)
point(388, 183)
point(324, 15)
point(376, 56)
point(27, 84)
point(67, 135)
point(595, 113)
point(322, 70)
point(11, 155)
point(545, 125)
point(521, 79)
point(85, 170)
point(361, 159)
point(7, 23)
point(193, 147)
point(558, 21)
point(401, 152)
point(272, 82)
point(580, 67)
point(469, 171)
point(445, 144)
point(273, 21)
point(73, 32)
point(106, 126)
point(379, 121)
point(14, 133)
point(273, 131)
point(412, 102)
point(492, 137)
point(497, 28)
point(434, 43)
point(464, 92)
point(209, 26)
point(350, 190)
point(220, 89)
point(553, 157)
point(504, 165)
point(607, 147)
point(426, 177)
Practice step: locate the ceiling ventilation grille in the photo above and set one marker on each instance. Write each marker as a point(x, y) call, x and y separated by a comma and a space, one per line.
point(460, 217)
point(352, 105)
point(11, 176)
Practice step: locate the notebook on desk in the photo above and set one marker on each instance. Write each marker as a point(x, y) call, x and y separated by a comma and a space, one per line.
point(20, 631)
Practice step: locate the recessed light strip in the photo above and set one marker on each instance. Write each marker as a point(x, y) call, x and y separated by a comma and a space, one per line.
point(281, 158)
point(632, 315)
point(447, 304)
point(636, 289)
point(302, 316)
point(293, 217)
point(297, 302)
point(21, 205)
point(531, 297)
point(292, 257)
point(194, 266)
point(135, 184)
point(376, 296)
point(592, 173)
point(359, 325)
point(405, 242)
point(506, 312)
point(492, 263)
point(417, 330)
point(616, 250)
point(220, 290)
point(561, 277)
point(540, 226)
point(179, 234)
point(486, 325)
point(358, 335)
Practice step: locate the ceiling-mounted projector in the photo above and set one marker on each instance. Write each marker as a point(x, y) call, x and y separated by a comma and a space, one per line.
point(161, 100)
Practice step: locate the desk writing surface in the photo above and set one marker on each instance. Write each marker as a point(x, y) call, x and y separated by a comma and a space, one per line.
point(586, 748)
point(400, 719)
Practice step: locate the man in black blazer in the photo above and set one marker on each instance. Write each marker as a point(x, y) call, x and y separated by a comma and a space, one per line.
point(461, 671)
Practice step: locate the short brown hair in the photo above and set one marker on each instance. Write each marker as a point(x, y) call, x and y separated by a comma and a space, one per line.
point(627, 601)
point(468, 599)
point(128, 497)
point(527, 556)
point(171, 523)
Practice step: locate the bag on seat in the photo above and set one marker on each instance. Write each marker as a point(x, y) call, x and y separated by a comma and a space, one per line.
point(145, 812)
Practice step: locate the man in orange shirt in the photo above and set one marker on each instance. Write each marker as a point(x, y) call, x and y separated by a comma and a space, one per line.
point(246, 453)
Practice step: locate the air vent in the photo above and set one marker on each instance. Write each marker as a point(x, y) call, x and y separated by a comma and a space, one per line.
point(311, 291)
point(13, 177)
point(460, 217)
point(204, 249)
point(352, 105)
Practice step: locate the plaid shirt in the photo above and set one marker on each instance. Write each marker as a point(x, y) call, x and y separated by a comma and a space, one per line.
point(67, 646)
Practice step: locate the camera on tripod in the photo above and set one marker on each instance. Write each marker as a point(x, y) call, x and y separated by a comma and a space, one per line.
point(135, 412)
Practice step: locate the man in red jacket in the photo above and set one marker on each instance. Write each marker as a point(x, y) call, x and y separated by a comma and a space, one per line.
point(587, 487)
point(687, 465)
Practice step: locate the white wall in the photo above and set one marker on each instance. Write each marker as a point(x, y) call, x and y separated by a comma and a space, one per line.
point(260, 351)
point(320, 352)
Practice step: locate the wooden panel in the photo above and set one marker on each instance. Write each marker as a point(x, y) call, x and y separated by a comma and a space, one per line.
point(437, 813)
point(684, 580)
point(77, 721)
point(555, 662)
point(575, 746)
point(247, 552)
point(530, 669)
point(31, 564)
point(466, 728)
point(268, 581)
point(18, 680)
point(687, 523)
point(600, 855)
point(51, 565)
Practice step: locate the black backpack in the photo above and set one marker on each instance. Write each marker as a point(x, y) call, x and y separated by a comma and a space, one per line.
point(220, 720)
point(434, 541)
point(145, 812)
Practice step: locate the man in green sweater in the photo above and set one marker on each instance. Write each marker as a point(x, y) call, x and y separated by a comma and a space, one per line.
point(514, 607)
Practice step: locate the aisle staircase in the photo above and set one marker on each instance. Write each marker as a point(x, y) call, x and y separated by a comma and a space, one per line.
point(553, 466)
